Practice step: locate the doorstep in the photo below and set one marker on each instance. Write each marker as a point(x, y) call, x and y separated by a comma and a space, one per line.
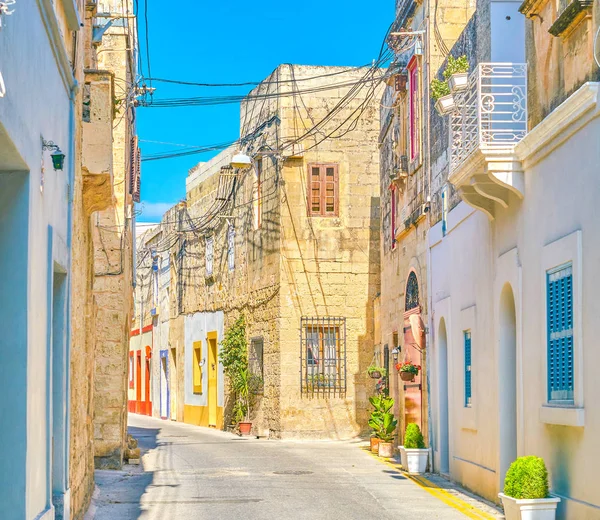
point(471, 505)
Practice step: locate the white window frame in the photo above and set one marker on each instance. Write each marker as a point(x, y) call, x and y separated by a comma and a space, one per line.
point(565, 250)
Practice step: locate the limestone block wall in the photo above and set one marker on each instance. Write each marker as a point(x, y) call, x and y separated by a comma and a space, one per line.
point(113, 274)
point(329, 265)
point(558, 64)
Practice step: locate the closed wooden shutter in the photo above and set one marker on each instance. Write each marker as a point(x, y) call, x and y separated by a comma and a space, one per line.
point(559, 287)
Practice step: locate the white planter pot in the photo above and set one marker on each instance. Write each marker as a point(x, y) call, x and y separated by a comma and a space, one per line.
point(445, 105)
point(539, 509)
point(416, 460)
point(386, 449)
point(403, 458)
point(458, 82)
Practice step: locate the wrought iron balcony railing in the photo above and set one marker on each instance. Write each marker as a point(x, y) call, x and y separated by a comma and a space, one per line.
point(491, 114)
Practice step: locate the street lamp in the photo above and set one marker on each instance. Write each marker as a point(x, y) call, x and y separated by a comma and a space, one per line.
point(240, 160)
point(58, 158)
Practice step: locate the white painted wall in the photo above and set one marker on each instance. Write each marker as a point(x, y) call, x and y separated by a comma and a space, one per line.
point(36, 103)
point(197, 326)
point(556, 222)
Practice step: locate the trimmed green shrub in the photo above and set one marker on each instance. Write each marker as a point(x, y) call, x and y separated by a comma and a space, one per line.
point(527, 478)
point(413, 438)
point(439, 89)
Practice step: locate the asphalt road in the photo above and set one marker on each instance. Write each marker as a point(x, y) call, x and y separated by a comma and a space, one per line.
point(197, 473)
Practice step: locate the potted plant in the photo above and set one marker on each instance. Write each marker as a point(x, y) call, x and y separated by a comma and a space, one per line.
point(414, 447)
point(381, 405)
point(526, 491)
point(386, 435)
point(376, 372)
point(243, 385)
point(456, 73)
point(408, 370)
point(440, 93)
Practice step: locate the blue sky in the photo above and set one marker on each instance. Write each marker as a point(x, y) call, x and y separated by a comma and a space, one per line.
point(231, 41)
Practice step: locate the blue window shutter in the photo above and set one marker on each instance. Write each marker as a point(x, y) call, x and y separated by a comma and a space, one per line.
point(468, 385)
point(559, 305)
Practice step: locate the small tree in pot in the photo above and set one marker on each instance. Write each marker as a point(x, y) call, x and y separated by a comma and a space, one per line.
point(381, 405)
point(386, 435)
point(244, 386)
point(526, 489)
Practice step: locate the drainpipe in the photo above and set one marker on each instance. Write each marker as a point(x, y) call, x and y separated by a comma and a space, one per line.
point(72, 166)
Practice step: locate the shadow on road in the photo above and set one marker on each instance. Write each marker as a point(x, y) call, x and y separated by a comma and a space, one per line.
point(119, 493)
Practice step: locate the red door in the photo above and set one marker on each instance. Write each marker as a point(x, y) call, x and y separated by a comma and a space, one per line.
point(148, 404)
point(138, 383)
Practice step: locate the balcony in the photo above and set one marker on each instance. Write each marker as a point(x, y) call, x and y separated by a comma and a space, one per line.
point(490, 119)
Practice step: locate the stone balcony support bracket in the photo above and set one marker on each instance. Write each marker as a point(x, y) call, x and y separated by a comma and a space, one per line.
point(488, 178)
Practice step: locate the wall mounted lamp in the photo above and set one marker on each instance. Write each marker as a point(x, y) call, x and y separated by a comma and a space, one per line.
point(58, 158)
point(395, 353)
point(240, 160)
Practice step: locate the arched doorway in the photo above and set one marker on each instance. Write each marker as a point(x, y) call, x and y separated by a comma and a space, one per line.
point(413, 351)
point(507, 380)
point(443, 439)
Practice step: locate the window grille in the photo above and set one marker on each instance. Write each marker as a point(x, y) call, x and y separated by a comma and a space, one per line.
point(255, 360)
point(209, 256)
point(559, 287)
point(468, 381)
point(323, 356)
point(231, 248)
point(412, 292)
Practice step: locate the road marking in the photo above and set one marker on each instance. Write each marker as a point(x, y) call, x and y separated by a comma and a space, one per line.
point(441, 494)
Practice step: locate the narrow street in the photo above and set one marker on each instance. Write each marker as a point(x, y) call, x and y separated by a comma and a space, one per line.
point(191, 472)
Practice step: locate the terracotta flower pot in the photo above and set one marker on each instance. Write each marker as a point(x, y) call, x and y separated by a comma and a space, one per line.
point(375, 375)
point(374, 444)
point(245, 428)
point(386, 449)
point(407, 376)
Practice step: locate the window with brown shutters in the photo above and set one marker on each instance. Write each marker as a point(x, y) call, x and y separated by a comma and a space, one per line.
point(323, 190)
point(135, 170)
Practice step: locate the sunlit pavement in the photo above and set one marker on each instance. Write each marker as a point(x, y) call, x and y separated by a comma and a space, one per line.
point(191, 472)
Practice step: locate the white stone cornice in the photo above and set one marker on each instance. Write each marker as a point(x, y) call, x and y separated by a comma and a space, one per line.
point(568, 118)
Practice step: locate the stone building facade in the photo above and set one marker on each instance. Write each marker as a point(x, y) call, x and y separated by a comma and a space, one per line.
point(512, 247)
point(407, 187)
point(303, 272)
point(101, 249)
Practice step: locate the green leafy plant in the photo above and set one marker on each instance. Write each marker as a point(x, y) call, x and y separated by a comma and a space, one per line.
point(381, 407)
point(413, 438)
point(375, 368)
point(439, 89)
point(387, 427)
point(456, 66)
point(234, 358)
point(527, 478)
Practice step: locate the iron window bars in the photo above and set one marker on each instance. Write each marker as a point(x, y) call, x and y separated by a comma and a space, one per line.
point(323, 356)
